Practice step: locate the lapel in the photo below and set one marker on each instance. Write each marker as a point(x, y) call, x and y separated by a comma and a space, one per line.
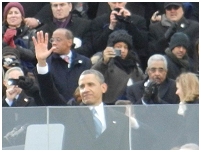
point(163, 88)
point(87, 120)
point(23, 100)
point(110, 118)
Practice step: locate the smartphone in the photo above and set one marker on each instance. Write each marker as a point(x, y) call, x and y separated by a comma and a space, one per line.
point(117, 52)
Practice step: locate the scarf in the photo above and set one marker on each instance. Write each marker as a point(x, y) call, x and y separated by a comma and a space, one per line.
point(61, 24)
point(182, 63)
point(128, 64)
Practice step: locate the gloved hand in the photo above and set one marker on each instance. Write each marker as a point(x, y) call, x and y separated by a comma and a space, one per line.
point(9, 34)
point(28, 85)
point(170, 31)
point(150, 94)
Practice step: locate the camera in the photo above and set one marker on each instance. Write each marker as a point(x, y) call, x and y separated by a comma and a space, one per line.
point(13, 82)
point(121, 18)
point(117, 52)
point(118, 17)
point(11, 62)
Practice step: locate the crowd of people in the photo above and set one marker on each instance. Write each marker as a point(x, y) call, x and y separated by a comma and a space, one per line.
point(64, 55)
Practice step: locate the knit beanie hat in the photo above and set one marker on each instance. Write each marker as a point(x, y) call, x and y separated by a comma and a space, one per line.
point(179, 39)
point(120, 36)
point(10, 51)
point(13, 4)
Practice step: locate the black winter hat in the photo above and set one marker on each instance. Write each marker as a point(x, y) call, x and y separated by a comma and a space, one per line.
point(179, 39)
point(10, 51)
point(172, 3)
point(120, 36)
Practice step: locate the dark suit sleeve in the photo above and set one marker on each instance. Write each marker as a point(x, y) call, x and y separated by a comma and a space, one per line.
point(48, 91)
point(130, 94)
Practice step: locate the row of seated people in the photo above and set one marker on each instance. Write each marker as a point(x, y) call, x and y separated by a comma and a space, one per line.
point(92, 35)
point(118, 64)
point(119, 72)
point(93, 91)
point(116, 74)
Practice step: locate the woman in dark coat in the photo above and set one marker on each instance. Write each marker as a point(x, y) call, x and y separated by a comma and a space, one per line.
point(120, 69)
point(17, 35)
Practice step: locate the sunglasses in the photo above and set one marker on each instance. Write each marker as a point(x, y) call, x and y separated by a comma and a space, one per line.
point(175, 7)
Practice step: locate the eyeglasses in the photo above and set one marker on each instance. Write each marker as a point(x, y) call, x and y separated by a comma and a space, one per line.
point(57, 39)
point(175, 7)
point(153, 70)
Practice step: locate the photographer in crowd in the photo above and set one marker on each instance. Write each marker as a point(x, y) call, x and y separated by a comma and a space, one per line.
point(121, 18)
point(119, 65)
point(15, 96)
point(171, 22)
point(157, 88)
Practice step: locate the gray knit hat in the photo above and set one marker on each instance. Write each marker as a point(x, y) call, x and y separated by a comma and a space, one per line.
point(179, 39)
point(120, 36)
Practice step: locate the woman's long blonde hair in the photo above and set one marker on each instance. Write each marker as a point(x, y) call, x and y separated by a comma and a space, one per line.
point(189, 83)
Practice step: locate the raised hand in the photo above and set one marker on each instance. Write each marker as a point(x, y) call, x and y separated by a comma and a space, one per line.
point(107, 54)
point(41, 47)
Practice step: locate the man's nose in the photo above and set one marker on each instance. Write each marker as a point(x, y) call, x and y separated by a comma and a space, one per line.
point(182, 48)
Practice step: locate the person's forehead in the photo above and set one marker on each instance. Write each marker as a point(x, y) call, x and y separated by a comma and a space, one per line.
point(59, 32)
point(14, 9)
point(14, 73)
point(157, 64)
point(88, 78)
point(57, 3)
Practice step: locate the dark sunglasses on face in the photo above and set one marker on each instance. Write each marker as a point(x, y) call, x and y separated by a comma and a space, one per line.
point(175, 7)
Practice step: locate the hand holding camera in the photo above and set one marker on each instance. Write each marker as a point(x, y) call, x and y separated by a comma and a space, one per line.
point(25, 82)
point(150, 92)
point(110, 52)
point(12, 92)
point(122, 15)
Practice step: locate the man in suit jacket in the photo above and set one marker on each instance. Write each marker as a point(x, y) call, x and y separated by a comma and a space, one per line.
point(79, 124)
point(15, 96)
point(62, 70)
point(157, 88)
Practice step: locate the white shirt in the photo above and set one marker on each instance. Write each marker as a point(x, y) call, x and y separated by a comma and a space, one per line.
point(11, 102)
point(69, 56)
point(44, 70)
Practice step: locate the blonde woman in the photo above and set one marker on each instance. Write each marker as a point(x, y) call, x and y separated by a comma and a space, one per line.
point(187, 89)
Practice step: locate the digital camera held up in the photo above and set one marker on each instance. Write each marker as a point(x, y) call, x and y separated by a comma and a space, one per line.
point(117, 52)
point(13, 82)
point(121, 18)
point(11, 62)
point(118, 17)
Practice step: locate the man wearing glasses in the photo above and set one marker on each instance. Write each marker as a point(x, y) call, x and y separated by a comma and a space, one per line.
point(171, 22)
point(80, 27)
point(157, 88)
point(63, 63)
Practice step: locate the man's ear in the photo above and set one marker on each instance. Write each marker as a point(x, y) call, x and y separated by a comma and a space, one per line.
point(104, 87)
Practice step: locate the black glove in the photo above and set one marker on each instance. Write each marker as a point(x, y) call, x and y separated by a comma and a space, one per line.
point(28, 85)
point(170, 31)
point(150, 94)
point(25, 82)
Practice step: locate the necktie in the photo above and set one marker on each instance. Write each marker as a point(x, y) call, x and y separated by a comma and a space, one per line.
point(66, 58)
point(97, 122)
